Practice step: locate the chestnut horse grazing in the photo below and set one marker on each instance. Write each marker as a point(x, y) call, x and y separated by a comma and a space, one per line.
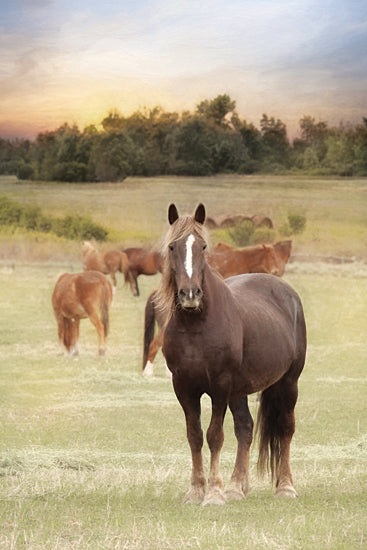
point(229, 339)
point(229, 261)
point(143, 262)
point(77, 296)
point(108, 263)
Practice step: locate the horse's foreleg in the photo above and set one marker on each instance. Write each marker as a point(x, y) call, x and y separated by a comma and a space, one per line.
point(243, 428)
point(60, 332)
point(192, 410)
point(215, 438)
point(113, 277)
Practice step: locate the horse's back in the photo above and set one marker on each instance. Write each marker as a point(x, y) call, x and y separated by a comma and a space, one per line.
point(76, 293)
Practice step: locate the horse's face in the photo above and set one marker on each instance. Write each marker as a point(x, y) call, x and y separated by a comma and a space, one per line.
point(270, 261)
point(186, 256)
point(187, 260)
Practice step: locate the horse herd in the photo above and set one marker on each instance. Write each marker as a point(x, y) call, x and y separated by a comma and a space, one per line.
point(89, 294)
point(229, 326)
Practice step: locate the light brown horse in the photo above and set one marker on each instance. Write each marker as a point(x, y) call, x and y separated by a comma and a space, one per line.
point(230, 338)
point(77, 296)
point(108, 263)
point(143, 262)
point(229, 261)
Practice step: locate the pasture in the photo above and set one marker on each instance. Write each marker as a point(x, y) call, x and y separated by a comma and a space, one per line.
point(94, 456)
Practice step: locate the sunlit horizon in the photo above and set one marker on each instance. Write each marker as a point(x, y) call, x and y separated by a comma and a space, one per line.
point(74, 62)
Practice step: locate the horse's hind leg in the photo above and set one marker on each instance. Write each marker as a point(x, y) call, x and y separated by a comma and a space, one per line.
point(243, 428)
point(284, 480)
point(277, 426)
point(96, 321)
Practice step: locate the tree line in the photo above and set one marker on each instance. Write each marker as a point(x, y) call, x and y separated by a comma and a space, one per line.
point(213, 139)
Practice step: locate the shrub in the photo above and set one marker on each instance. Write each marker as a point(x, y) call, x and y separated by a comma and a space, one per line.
point(295, 225)
point(31, 218)
point(263, 235)
point(242, 233)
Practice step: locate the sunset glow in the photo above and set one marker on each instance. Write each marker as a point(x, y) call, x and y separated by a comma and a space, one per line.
point(74, 61)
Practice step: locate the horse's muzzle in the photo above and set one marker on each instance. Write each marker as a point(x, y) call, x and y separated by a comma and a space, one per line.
point(190, 298)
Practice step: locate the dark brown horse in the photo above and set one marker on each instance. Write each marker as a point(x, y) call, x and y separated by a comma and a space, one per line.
point(143, 262)
point(229, 261)
point(77, 296)
point(229, 339)
point(108, 263)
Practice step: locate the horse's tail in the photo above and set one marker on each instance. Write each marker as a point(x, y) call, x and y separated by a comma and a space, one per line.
point(70, 334)
point(149, 323)
point(67, 333)
point(268, 430)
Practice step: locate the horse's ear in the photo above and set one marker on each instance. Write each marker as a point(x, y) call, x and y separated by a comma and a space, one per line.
point(172, 214)
point(200, 214)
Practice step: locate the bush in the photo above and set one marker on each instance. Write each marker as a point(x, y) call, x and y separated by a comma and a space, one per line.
point(25, 171)
point(263, 235)
point(242, 233)
point(31, 218)
point(295, 225)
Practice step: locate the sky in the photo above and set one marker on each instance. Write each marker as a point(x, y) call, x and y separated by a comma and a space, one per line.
point(75, 60)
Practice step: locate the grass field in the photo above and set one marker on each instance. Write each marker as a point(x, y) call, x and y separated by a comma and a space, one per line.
point(94, 456)
point(135, 211)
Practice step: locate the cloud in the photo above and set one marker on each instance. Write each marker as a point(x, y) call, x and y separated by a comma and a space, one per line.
point(75, 60)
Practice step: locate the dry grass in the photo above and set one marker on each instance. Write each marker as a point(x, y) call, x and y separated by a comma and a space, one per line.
point(94, 456)
point(86, 461)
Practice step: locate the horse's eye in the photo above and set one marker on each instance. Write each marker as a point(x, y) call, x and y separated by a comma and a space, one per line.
point(204, 246)
point(170, 246)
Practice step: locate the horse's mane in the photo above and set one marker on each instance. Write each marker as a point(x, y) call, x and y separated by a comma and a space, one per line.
point(183, 227)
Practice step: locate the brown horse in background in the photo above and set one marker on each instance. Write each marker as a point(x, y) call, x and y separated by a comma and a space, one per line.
point(108, 263)
point(229, 339)
point(229, 261)
point(77, 296)
point(143, 262)
point(152, 342)
point(283, 251)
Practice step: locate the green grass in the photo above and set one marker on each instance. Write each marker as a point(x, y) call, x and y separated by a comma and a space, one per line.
point(94, 456)
point(135, 210)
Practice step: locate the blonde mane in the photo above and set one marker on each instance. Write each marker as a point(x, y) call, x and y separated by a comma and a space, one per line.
point(183, 227)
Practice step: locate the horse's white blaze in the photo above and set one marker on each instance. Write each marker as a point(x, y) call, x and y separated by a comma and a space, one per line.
point(188, 260)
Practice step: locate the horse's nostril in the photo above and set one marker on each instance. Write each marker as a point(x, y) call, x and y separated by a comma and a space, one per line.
point(198, 293)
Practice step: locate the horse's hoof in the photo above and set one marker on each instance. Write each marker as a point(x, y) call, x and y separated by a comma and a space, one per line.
point(148, 369)
point(101, 352)
point(234, 492)
point(288, 491)
point(194, 495)
point(214, 496)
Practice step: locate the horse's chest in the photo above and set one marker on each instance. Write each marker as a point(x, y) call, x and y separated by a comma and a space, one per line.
point(197, 350)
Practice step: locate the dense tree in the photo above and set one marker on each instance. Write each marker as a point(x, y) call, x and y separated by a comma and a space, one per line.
point(212, 139)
